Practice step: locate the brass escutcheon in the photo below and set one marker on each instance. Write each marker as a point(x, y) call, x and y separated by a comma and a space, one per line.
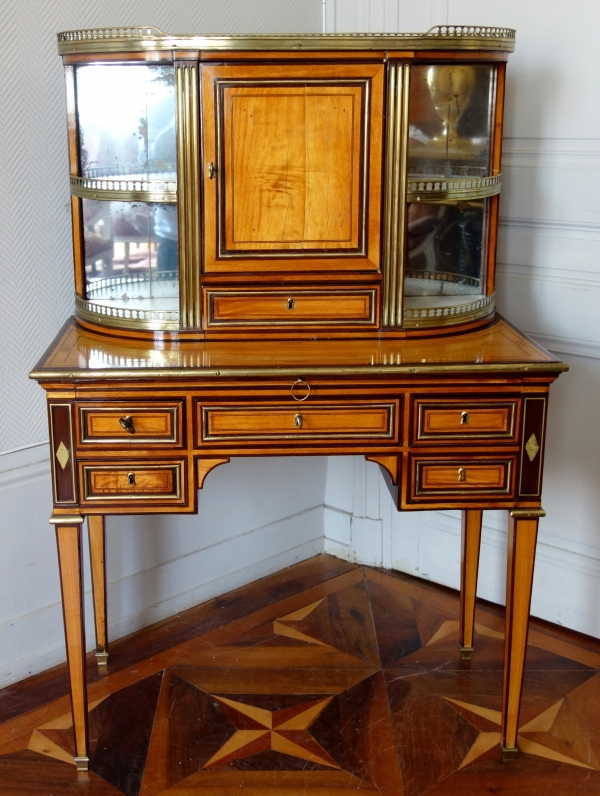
point(290, 304)
point(462, 474)
point(464, 419)
point(131, 479)
point(298, 421)
point(294, 387)
point(212, 171)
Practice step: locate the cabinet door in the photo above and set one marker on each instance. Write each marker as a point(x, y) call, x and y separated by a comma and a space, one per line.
point(295, 180)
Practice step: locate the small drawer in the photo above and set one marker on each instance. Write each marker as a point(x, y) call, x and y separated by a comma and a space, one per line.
point(359, 421)
point(333, 307)
point(464, 476)
point(465, 420)
point(140, 481)
point(130, 424)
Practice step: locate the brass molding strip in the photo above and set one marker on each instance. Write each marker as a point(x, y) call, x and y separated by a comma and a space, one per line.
point(121, 318)
point(132, 188)
point(437, 191)
point(188, 205)
point(395, 194)
point(66, 519)
point(148, 38)
point(424, 317)
point(148, 372)
point(527, 514)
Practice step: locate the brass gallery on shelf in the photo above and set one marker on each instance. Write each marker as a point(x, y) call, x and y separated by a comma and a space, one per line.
point(286, 245)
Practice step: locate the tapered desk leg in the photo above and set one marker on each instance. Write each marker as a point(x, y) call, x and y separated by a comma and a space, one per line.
point(469, 566)
point(68, 536)
point(98, 567)
point(522, 538)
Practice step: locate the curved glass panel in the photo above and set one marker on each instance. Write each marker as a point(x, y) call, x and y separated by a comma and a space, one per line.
point(131, 254)
point(450, 109)
point(445, 253)
point(126, 117)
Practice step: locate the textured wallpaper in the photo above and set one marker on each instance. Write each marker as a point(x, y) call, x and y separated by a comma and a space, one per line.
point(36, 280)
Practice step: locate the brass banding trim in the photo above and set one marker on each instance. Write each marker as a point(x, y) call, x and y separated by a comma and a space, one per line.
point(458, 405)
point(136, 439)
point(460, 489)
point(188, 205)
point(395, 195)
point(393, 369)
point(424, 317)
point(300, 253)
point(53, 459)
point(527, 400)
point(108, 497)
point(211, 294)
point(122, 318)
point(527, 514)
point(66, 519)
point(437, 190)
point(144, 39)
point(124, 189)
point(306, 435)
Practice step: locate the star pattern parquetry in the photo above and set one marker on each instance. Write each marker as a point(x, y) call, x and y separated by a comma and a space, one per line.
point(260, 730)
point(489, 739)
point(345, 687)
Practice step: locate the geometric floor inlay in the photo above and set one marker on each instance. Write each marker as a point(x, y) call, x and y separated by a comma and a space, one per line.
point(353, 685)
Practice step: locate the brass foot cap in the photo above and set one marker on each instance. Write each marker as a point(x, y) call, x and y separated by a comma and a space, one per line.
point(102, 658)
point(509, 753)
point(82, 763)
point(466, 653)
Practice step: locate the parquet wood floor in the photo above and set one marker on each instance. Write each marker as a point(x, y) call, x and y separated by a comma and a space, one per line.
point(322, 680)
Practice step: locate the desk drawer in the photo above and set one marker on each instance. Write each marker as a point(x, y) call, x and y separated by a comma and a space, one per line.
point(290, 307)
point(131, 424)
point(454, 420)
point(145, 482)
point(357, 421)
point(464, 476)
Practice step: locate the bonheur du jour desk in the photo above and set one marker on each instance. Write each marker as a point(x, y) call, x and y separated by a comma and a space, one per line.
point(455, 423)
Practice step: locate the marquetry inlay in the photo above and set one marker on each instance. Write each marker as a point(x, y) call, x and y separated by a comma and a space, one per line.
point(532, 447)
point(62, 454)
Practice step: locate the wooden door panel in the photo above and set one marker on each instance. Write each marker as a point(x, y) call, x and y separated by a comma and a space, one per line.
point(292, 167)
point(297, 152)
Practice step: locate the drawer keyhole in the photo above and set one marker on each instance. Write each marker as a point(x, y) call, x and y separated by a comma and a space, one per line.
point(127, 424)
point(298, 421)
point(462, 474)
point(290, 304)
point(464, 419)
point(131, 479)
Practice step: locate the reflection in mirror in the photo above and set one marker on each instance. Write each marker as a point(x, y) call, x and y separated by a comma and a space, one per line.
point(450, 120)
point(445, 251)
point(131, 254)
point(126, 116)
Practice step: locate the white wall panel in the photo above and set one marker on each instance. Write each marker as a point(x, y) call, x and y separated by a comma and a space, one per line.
point(548, 284)
point(255, 517)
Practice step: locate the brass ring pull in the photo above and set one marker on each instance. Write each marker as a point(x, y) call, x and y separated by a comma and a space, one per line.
point(127, 424)
point(294, 387)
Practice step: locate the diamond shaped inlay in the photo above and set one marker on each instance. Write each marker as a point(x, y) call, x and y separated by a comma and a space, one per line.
point(532, 447)
point(62, 454)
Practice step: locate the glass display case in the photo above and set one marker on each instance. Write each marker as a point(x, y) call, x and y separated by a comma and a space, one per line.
point(222, 183)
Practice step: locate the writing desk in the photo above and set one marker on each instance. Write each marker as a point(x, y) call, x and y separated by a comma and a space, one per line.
point(456, 422)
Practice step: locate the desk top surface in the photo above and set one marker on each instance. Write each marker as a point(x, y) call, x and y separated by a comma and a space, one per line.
point(78, 353)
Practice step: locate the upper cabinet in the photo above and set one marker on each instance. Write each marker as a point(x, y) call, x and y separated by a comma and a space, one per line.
point(292, 167)
point(322, 186)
